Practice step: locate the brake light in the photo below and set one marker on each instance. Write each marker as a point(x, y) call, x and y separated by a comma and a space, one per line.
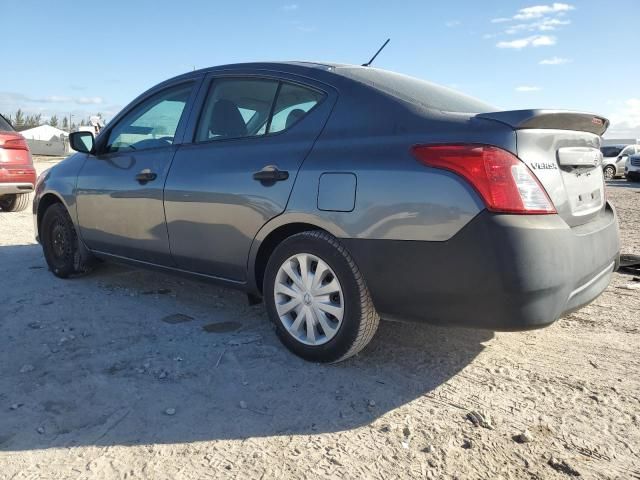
point(13, 141)
point(502, 180)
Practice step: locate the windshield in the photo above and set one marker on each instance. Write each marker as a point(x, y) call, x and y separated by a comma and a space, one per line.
point(414, 90)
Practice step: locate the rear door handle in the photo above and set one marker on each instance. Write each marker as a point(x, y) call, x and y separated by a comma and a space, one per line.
point(270, 173)
point(145, 176)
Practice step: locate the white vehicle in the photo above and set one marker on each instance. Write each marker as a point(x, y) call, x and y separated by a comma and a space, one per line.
point(632, 166)
point(614, 158)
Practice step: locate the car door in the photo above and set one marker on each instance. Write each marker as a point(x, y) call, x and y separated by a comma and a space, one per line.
point(251, 137)
point(120, 189)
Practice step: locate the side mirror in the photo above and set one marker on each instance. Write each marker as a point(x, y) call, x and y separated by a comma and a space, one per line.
point(82, 142)
point(623, 157)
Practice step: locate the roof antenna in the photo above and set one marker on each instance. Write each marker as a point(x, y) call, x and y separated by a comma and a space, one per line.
point(374, 57)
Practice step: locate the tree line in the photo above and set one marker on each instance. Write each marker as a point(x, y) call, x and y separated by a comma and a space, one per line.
point(20, 121)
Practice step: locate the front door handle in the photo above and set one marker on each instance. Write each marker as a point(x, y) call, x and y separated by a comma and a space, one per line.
point(270, 173)
point(145, 176)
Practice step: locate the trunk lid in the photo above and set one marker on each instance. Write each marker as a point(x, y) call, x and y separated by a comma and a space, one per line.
point(563, 150)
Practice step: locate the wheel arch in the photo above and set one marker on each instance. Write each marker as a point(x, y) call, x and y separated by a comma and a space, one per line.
point(274, 233)
point(44, 203)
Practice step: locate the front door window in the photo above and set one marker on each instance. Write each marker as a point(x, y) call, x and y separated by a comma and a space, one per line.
point(152, 124)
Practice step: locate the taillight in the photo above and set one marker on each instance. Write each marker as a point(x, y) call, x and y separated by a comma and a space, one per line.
point(13, 141)
point(502, 180)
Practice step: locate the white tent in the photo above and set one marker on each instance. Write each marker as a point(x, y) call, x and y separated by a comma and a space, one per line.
point(47, 140)
point(43, 132)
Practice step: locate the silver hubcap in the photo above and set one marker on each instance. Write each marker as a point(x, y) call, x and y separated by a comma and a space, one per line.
point(608, 173)
point(309, 299)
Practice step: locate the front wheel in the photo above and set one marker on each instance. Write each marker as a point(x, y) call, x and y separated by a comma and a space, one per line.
point(609, 172)
point(317, 298)
point(60, 243)
point(14, 203)
point(632, 177)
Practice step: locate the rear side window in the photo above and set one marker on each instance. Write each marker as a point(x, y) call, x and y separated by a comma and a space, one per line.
point(243, 107)
point(293, 103)
point(5, 125)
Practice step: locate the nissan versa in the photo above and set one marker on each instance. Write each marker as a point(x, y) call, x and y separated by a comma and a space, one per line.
point(340, 194)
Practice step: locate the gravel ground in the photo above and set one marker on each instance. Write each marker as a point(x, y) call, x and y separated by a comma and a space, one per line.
point(132, 374)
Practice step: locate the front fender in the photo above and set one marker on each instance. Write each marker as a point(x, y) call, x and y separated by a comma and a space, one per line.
point(59, 182)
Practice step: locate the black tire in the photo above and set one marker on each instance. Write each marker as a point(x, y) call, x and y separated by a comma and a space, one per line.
point(60, 243)
point(609, 172)
point(14, 203)
point(360, 319)
point(632, 178)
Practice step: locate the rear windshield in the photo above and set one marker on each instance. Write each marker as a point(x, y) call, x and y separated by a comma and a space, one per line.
point(414, 90)
point(611, 151)
point(4, 125)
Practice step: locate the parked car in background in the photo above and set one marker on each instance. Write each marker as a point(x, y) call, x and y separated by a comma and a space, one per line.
point(614, 159)
point(285, 181)
point(632, 167)
point(17, 174)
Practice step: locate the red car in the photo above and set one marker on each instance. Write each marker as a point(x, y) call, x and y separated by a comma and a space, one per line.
point(17, 175)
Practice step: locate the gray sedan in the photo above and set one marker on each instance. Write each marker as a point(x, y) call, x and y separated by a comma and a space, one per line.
point(340, 194)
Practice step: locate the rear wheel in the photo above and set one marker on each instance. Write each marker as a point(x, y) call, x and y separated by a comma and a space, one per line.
point(317, 298)
point(60, 243)
point(14, 203)
point(609, 172)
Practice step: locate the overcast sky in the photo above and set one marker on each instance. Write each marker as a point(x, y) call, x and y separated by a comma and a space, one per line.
point(86, 57)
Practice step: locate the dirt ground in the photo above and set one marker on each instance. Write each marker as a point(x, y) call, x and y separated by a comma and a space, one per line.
point(131, 374)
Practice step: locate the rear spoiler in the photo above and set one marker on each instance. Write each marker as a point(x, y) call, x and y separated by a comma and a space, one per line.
point(550, 119)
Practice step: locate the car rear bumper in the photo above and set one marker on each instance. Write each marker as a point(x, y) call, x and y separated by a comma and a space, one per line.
point(501, 272)
point(10, 188)
point(17, 179)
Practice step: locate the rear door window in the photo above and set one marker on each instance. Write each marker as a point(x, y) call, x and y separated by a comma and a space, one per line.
point(236, 108)
point(249, 107)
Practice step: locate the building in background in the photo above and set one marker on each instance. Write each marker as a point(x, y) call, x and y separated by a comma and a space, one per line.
point(47, 140)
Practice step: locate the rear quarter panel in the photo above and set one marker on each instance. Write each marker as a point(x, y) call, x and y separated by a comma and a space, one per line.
point(370, 135)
